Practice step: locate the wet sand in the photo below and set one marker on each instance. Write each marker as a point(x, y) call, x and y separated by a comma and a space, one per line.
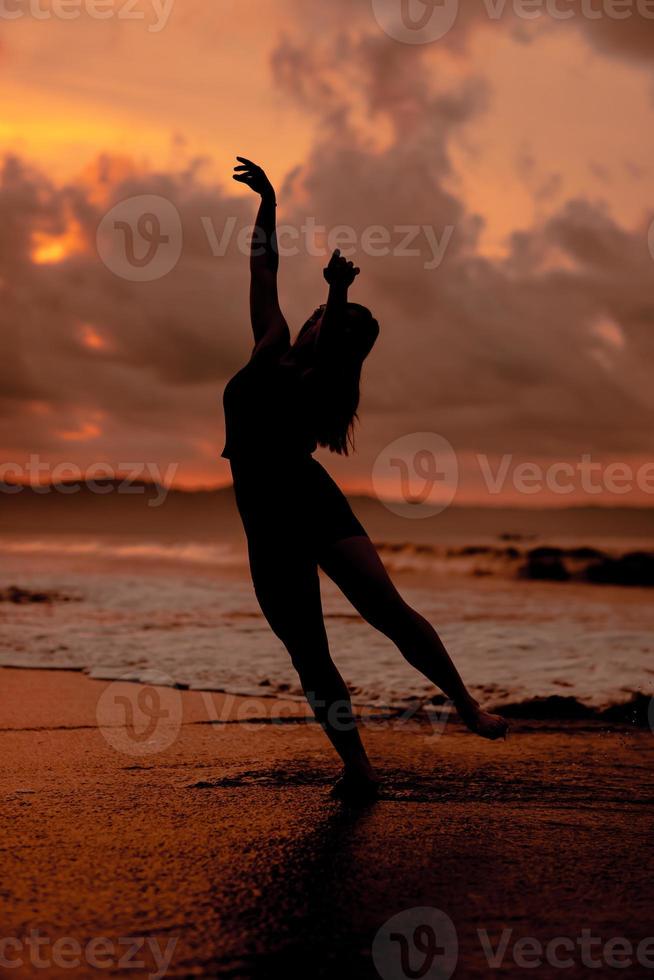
point(222, 848)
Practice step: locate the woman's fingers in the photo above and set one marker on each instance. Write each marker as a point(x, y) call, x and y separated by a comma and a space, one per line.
point(341, 266)
point(248, 169)
point(338, 262)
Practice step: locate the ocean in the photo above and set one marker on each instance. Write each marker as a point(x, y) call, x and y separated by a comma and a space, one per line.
point(545, 615)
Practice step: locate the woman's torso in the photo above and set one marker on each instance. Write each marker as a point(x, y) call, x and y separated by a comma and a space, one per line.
point(286, 499)
point(267, 412)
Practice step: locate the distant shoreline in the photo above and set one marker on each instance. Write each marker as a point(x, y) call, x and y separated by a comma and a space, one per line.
point(133, 487)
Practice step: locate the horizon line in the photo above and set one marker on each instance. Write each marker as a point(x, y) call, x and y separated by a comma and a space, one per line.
point(18, 486)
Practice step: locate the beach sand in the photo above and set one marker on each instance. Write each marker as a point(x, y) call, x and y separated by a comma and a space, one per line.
point(213, 839)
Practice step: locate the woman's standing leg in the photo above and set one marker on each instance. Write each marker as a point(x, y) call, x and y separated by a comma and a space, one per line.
point(287, 586)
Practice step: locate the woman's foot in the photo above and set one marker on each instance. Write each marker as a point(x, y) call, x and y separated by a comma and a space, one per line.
point(482, 722)
point(356, 788)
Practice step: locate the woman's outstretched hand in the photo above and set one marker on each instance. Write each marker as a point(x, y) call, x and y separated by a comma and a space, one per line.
point(340, 272)
point(254, 176)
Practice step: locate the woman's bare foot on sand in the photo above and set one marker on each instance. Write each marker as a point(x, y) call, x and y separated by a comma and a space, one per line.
point(357, 788)
point(482, 722)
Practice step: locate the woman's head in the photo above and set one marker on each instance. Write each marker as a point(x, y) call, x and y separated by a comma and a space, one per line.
point(360, 331)
point(357, 334)
point(336, 374)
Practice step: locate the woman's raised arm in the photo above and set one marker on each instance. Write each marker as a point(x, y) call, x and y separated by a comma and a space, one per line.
point(268, 322)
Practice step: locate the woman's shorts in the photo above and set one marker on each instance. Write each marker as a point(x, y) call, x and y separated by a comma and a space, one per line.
point(292, 504)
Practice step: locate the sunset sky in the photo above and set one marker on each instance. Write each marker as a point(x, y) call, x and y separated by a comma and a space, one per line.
point(525, 146)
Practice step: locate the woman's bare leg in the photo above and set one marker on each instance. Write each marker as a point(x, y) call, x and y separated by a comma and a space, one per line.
point(355, 566)
point(288, 589)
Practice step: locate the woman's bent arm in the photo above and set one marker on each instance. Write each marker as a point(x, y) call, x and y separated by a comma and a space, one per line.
point(340, 274)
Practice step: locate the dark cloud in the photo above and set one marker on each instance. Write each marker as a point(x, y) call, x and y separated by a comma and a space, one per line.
point(631, 38)
point(167, 346)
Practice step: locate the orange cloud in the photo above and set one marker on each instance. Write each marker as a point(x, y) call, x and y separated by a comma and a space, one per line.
point(87, 431)
point(50, 249)
point(92, 338)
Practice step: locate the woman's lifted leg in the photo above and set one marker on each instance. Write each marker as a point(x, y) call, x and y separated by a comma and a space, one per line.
point(355, 566)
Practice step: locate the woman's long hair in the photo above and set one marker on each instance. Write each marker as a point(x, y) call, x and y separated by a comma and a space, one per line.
point(336, 386)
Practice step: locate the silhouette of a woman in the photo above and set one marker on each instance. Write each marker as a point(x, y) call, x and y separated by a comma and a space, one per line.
point(287, 400)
